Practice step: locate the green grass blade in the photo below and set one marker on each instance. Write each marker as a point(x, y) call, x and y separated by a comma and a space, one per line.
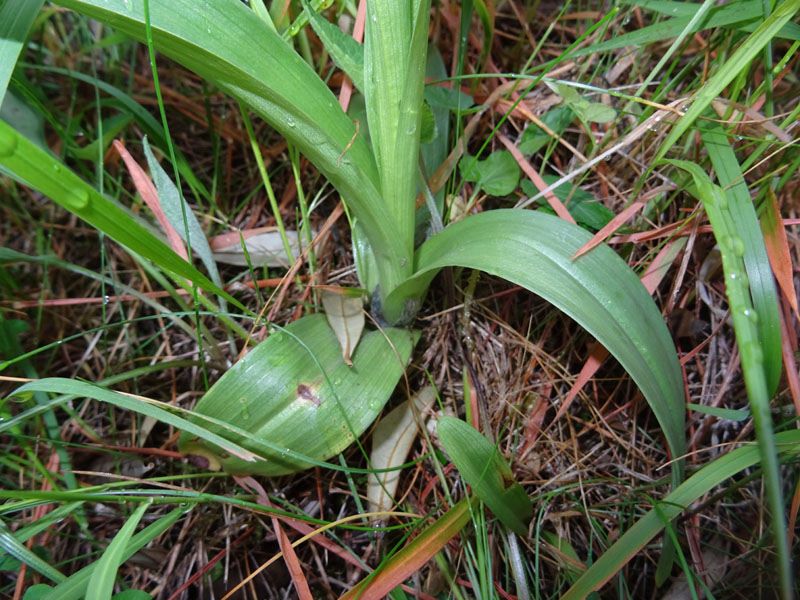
point(646, 528)
point(344, 50)
point(75, 587)
point(745, 320)
point(71, 387)
point(598, 290)
point(486, 471)
point(733, 14)
point(101, 582)
point(751, 9)
point(756, 261)
point(144, 119)
point(41, 170)
point(739, 60)
point(26, 532)
point(10, 544)
point(16, 19)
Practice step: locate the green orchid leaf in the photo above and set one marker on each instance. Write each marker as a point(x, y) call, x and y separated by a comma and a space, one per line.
point(486, 471)
point(347, 53)
point(295, 391)
point(756, 261)
point(598, 290)
point(720, 212)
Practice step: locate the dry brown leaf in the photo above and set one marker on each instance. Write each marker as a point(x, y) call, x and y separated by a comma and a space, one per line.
point(263, 248)
point(346, 318)
point(391, 442)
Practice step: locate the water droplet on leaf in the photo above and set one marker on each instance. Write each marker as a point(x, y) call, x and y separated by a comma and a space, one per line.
point(77, 200)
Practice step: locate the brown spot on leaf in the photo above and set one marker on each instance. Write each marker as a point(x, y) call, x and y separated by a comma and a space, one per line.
point(201, 462)
point(307, 393)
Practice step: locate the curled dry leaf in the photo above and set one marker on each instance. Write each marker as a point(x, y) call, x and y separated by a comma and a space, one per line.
point(391, 442)
point(346, 317)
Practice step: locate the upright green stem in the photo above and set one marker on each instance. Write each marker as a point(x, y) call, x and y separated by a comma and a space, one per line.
point(395, 52)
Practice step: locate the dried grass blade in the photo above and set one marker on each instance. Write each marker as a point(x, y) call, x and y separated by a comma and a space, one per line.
point(410, 559)
point(778, 249)
point(147, 190)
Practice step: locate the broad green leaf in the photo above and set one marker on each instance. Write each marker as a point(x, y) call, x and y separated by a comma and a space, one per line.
point(497, 175)
point(294, 391)
point(347, 53)
point(652, 522)
point(38, 169)
point(534, 137)
point(101, 581)
point(486, 471)
point(598, 290)
point(756, 260)
point(395, 54)
point(16, 19)
point(75, 587)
